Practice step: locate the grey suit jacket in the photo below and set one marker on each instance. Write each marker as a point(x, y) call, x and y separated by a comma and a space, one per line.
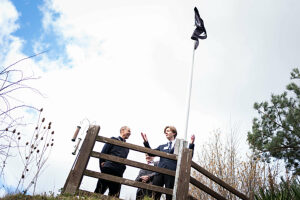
point(144, 172)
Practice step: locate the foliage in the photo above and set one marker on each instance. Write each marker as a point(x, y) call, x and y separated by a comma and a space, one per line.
point(285, 191)
point(277, 131)
point(148, 198)
point(223, 159)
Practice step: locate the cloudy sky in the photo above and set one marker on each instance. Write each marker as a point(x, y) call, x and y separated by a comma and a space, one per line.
point(115, 63)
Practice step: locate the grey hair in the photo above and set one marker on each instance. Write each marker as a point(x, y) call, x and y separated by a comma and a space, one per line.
point(124, 128)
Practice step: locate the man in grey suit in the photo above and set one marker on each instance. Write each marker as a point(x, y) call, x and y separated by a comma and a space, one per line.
point(145, 176)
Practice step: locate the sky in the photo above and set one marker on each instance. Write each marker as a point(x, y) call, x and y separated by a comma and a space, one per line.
point(115, 63)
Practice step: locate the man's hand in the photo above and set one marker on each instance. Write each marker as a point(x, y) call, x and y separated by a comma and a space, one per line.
point(144, 136)
point(192, 139)
point(145, 179)
point(102, 164)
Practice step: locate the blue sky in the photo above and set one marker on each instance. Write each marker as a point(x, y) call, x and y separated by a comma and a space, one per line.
point(5, 189)
point(127, 63)
point(30, 22)
point(32, 31)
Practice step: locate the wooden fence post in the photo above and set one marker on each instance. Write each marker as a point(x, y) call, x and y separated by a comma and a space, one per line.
point(183, 169)
point(75, 176)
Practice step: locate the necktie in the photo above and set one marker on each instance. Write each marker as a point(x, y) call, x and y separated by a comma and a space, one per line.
point(170, 145)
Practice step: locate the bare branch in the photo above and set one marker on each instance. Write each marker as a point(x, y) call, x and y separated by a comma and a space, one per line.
point(34, 55)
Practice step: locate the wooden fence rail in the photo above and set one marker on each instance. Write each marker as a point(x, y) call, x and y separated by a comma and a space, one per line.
point(182, 174)
point(132, 163)
point(136, 147)
point(218, 181)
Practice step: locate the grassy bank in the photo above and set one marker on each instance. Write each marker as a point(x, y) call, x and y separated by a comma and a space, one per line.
point(59, 197)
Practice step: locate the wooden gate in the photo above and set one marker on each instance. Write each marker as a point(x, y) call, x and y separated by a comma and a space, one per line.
point(182, 154)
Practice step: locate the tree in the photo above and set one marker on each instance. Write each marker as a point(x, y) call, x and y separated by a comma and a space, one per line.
point(276, 133)
point(225, 160)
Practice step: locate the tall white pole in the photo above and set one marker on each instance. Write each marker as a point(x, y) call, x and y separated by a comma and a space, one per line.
point(189, 97)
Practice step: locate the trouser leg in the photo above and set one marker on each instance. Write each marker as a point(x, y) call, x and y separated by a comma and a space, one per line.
point(114, 189)
point(101, 186)
point(148, 193)
point(139, 194)
point(169, 183)
point(158, 181)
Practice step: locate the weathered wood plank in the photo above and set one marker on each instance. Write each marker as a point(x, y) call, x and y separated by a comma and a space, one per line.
point(183, 171)
point(136, 147)
point(206, 189)
point(127, 182)
point(132, 163)
point(75, 177)
point(219, 181)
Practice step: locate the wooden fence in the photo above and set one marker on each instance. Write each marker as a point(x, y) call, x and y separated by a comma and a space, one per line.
point(182, 154)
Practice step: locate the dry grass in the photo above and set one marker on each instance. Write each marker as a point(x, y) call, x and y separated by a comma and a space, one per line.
point(59, 197)
point(224, 160)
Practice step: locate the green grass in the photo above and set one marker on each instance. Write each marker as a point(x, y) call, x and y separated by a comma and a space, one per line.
point(59, 197)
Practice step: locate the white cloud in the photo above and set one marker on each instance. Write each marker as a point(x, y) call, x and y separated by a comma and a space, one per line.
point(8, 44)
point(8, 17)
point(129, 65)
point(116, 59)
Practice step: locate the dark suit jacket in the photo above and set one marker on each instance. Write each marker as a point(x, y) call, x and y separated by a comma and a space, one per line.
point(165, 162)
point(115, 151)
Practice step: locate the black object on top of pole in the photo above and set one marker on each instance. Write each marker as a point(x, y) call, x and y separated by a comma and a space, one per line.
point(200, 31)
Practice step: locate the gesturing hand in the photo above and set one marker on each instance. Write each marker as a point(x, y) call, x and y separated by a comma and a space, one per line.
point(144, 136)
point(192, 139)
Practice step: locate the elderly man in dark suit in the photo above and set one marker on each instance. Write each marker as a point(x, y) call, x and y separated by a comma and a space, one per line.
point(163, 179)
point(145, 176)
point(113, 168)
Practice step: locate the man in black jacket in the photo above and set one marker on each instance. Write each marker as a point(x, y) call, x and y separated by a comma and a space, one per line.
point(113, 168)
point(163, 179)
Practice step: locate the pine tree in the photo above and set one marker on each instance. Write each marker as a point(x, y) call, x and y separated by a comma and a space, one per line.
point(276, 133)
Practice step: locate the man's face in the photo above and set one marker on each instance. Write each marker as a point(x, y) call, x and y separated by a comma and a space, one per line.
point(149, 158)
point(169, 134)
point(125, 133)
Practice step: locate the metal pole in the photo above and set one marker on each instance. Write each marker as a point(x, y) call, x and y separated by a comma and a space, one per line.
point(189, 97)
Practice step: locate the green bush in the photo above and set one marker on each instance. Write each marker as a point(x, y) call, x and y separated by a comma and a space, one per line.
point(285, 191)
